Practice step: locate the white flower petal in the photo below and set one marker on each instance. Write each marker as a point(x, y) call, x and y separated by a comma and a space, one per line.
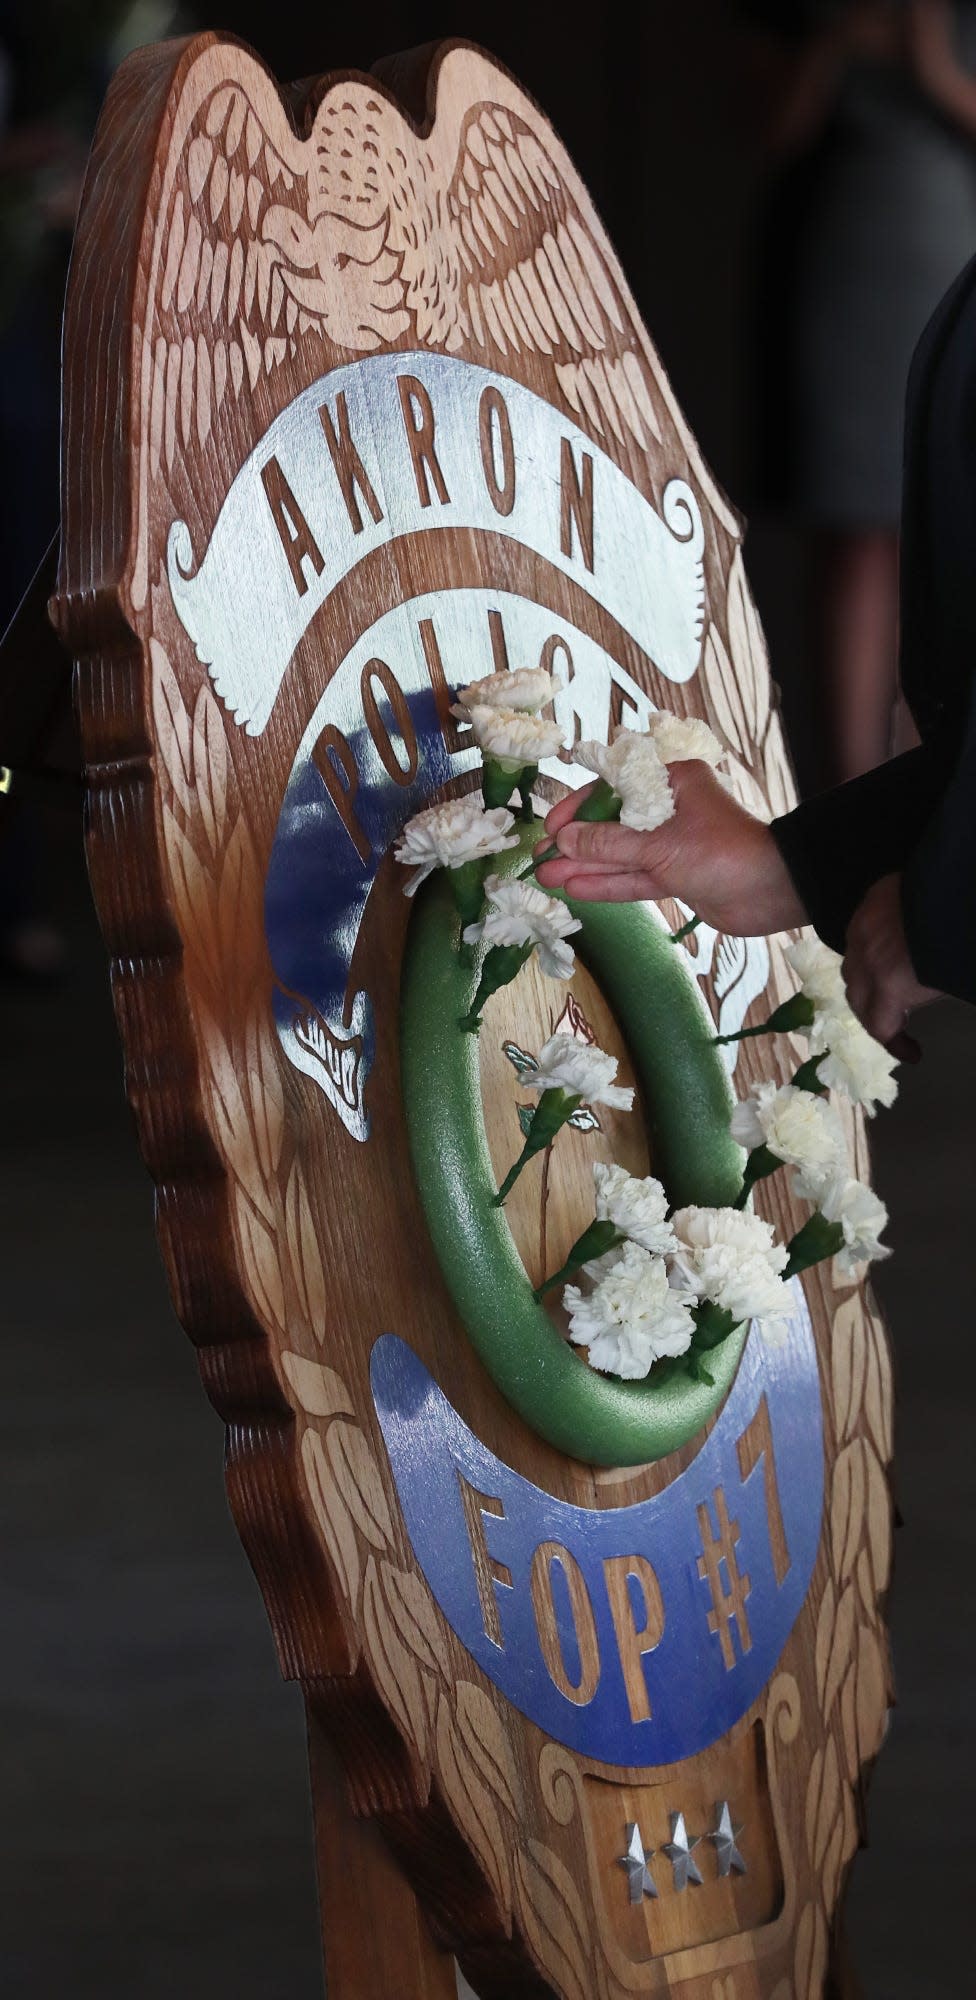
point(526, 690)
point(862, 1216)
point(638, 1208)
point(451, 834)
point(678, 738)
point(512, 738)
point(522, 913)
point(580, 1067)
point(731, 1257)
point(632, 1317)
point(799, 1128)
point(854, 1062)
point(633, 768)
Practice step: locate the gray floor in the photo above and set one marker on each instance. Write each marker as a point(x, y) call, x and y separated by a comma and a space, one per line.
point(155, 1831)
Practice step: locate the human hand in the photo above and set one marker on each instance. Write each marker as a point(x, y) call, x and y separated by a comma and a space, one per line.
point(713, 855)
point(882, 986)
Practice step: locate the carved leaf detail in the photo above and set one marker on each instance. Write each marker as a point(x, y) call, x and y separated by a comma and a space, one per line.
point(553, 1918)
point(841, 1650)
point(748, 649)
point(826, 1625)
point(878, 1392)
point(333, 1517)
point(260, 1259)
point(304, 1249)
point(879, 1525)
point(480, 1725)
point(474, 1807)
point(195, 898)
point(265, 1093)
point(357, 1477)
point(238, 908)
point(413, 1613)
point(811, 1954)
point(395, 1667)
point(172, 727)
point(724, 698)
point(872, 1695)
point(210, 767)
point(318, 1390)
point(847, 1509)
point(232, 1120)
point(849, 1351)
point(823, 1800)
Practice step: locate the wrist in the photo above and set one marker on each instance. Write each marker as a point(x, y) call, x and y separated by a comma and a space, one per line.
point(778, 903)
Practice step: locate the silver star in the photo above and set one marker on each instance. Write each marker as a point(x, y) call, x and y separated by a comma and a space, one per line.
point(725, 1837)
point(679, 1851)
point(635, 1861)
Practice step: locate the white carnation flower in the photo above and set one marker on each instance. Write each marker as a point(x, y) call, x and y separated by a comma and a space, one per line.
point(678, 738)
point(450, 835)
point(526, 690)
point(861, 1216)
point(731, 1258)
point(638, 1208)
point(818, 970)
point(853, 1061)
point(632, 1318)
point(522, 913)
point(512, 739)
point(633, 767)
point(579, 1067)
point(799, 1128)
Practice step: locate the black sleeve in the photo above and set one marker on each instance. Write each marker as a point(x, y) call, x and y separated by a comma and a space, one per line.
point(939, 878)
point(837, 844)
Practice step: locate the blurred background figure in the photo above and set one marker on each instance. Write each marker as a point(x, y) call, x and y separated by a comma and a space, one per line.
point(55, 63)
point(867, 116)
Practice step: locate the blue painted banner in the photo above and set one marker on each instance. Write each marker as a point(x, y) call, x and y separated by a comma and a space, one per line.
point(635, 1635)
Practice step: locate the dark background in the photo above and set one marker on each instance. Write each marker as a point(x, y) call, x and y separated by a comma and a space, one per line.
point(155, 1838)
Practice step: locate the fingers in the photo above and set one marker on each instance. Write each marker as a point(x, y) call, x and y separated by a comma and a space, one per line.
point(604, 842)
point(618, 887)
point(564, 811)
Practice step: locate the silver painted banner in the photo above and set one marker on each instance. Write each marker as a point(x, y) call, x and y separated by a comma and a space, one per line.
point(362, 458)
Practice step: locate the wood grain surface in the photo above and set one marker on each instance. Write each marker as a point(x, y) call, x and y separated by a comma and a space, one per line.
point(235, 244)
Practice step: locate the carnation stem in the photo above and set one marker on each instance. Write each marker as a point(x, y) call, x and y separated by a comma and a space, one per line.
point(553, 1110)
point(813, 1244)
point(526, 779)
point(678, 937)
point(601, 804)
point(468, 890)
point(797, 1012)
point(502, 964)
point(760, 1163)
point(594, 1242)
point(497, 783)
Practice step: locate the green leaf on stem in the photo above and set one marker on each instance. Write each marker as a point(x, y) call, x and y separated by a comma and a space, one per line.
point(602, 804)
point(551, 1113)
point(498, 782)
point(808, 1076)
point(468, 888)
point(813, 1244)
point(760, 1163)
point(594, 1242)
point(797, 1012)
point(502, 964)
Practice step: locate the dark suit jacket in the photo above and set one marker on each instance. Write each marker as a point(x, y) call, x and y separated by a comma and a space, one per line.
point(917, 814)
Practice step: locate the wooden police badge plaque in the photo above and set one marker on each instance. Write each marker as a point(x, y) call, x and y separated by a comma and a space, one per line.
point(358, 408)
